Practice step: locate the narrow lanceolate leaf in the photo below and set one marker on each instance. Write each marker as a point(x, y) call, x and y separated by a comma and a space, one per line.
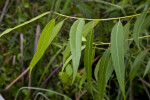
point(147, 68)
point(137, 27)
point(109, 70)
point(88, 58)
point(27, 22)
point(136, 65)
point(66, 52)
point(42, 43)
point(75, 43)
point(48, 34)
point(88, 27)
point(126, 35)
point(69, 59)
point(117, 52)
point(102, 73)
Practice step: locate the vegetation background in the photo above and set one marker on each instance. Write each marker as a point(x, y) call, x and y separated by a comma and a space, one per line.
point(18, 47)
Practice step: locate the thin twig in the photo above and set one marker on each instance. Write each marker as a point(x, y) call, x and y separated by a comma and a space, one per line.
point(4, 10)
point(21, 50)
point(146, 83)
point(17, 79)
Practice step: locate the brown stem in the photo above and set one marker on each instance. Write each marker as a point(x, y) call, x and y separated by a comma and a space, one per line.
point(17, 79)
point(4, 10)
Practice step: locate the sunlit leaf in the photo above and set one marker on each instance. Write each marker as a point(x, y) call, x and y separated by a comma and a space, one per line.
point(88, 59)
point(75, 43)
point(137, 27)
point(136, 65)
point(117, 52)
point(43, 43)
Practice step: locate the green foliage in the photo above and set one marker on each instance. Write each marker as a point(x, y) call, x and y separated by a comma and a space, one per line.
point(117, 52)
point(75, 44)
point(138, 26)
point(88, 59)
point(136, 65)
point(92, 57)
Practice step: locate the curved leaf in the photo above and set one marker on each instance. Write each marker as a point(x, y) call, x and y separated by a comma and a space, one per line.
point(117, 52)
point(88, 27)
point(27, 22)
point(147, 68)
point(137, 27)
point(47, 36)
point(75, 43)
point(136, 65)
point(88, 59)
point(43, 43)
point(102, 73)
point(126, 35)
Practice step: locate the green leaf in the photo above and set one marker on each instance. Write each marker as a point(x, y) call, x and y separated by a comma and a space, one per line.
point(102, 73)
point(57, 6)
point(75, 44)
point(83, 78)
point(126, 35)
point(109, 70)
point(66, 52)
point(117, 52)
point(27, 22)
point(69, 70)
point(69, 59)
point(137, 27)
point(88, 27)
point(42, 43)
point(147, 68)
point(88, 59)
point(96, 70)
point(47, 36)
point(136, 65)
point(63, 76)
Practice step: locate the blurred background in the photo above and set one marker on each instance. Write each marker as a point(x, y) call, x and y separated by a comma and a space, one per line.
point(18, 47)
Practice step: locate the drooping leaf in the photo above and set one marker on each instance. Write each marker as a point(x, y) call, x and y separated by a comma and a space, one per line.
point(102, 73)
point(136, 65)
point(27, 22)
point(69, 59)
point(43, 43)
point(109, 70)
point(117, 54)
point(96, 70)
point(147, 68)
point(88, 27)
point(88, 59)
point(126, 35)
point(137, 27)
point(75, 43)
